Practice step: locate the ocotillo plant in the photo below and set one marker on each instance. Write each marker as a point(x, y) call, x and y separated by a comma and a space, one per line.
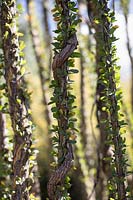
point(18, 98)
point(111, 97)
point(101, 114)
point(65, 13)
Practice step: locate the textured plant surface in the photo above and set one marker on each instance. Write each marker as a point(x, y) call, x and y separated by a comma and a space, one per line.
point(110, 98)
point(18, 97)
point(63, 63)
point(5, 157)
point(91, 100)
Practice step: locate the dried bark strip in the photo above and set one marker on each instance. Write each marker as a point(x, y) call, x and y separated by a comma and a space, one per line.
point(18, 102)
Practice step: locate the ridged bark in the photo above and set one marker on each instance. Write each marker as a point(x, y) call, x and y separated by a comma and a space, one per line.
point(18, 103)
point(62, 95)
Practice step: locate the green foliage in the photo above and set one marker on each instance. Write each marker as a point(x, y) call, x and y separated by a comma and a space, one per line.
point(58, 46)
point(5, 156)
point(18, 100)
point(62, 98)
point(64, 108)
point(111, 99)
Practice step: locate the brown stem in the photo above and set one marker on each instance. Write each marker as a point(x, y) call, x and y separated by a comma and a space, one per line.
point(60, 73)
point(117, 139)
point(2, 131)
point(18, 102)
point(103, 45)
point(102, 116)
point(83, 125)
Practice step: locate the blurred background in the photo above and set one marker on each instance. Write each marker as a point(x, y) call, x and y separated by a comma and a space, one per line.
point(37, 25)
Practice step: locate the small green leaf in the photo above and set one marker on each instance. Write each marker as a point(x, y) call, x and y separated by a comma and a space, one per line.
point(75, 55)
point(54, 109)
point(73, 71)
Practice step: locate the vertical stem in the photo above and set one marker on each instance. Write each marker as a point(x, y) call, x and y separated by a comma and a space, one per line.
point(47, 34)
point(18, 102)
point(85, 138)
point(125, 7)
point(62, 101)
point(113, 108)
point(38, 54)
point(2, 130)
point(130, 57)
point(83, 126)
point(101, 114)
point(107, 103)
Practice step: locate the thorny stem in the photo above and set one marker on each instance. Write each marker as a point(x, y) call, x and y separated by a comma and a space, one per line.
point(18, 102)
point(60, 74)
point(113, 111)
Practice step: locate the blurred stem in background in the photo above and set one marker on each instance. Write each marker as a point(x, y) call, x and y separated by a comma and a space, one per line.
point(102, 115)
point(125, 8)
point(41, 60)
point(42, 54)
point(47, 36)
